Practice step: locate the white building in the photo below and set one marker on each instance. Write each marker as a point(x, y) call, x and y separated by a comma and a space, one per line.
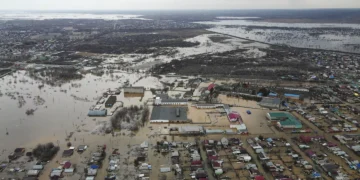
point(208, 106)
point(191, 129)
point(164, 100)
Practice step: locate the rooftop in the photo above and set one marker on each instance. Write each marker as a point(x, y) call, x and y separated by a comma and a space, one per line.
point(284, 118)
point(169, 113)
point(270, 102)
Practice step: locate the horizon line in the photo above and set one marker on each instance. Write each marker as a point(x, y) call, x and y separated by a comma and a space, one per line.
point(61, 10)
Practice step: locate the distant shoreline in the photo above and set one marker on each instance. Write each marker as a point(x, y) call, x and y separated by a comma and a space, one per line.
point(279, 45)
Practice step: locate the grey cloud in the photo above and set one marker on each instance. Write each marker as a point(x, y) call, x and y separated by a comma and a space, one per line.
point(173, 4)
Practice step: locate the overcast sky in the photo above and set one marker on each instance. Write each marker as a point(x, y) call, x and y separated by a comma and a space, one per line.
point(172, 4)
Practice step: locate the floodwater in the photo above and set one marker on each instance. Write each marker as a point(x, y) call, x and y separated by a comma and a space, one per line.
point(339, 37)
point(43, 16)
point(206, 46)
point(63, 109)
point(256, 122)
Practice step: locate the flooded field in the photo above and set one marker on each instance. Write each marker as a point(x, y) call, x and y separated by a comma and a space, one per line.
point(207, 46)
point(339, 37)
point(58, 110)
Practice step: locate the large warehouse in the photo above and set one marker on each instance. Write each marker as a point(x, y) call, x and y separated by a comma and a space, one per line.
point(165, 100)
point(271, 103)
point(284, 120)
point(162, 114)
point(134, 90)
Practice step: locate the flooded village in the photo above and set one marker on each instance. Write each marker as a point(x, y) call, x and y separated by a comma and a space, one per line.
point(132, 100)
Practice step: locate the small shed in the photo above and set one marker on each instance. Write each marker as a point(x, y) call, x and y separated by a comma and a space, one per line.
point(67, 165)
point(144, 145)
point(68, 152)
point(33, 173)
point(38, 167)
point(315, 175)
point(175, 153)
point(81, 148)
point(310, 153)
point(69, 171)
point(305, 139)
point(56, 173)
point(91, 172)
point(110, 101)
point(165, 169)
point(224, 141)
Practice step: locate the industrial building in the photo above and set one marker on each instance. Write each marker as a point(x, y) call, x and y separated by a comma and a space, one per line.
point(208, 106)
point(284, 120)
point(164, 99)
point(110, 101)
point(271, 103)
point(292, 96)
point(161, 114)
point(94, 112)
point(241, 128)
point(191, 130)
point(134, 90)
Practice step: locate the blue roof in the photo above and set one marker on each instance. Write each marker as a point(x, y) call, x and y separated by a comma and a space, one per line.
point(292, 95)
point(260, 94)
point(94, 166)
point(97, 112)
point(358, 166)
point(269, 140)
point(273, 94)
point(315, 175)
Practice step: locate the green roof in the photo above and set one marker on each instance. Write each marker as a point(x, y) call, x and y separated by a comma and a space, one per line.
point(285, 119)
point(280, 115)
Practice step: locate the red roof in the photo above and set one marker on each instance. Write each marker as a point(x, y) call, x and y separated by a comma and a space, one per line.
point(67, 165)
point(211, 86)
point(196, 163)
point(234, 115)
point(310, 152)
point(203, 179)
point(206, 141)
point(213, 158)
point(259, 178)
point(305, 138)
point(210, 153)
point(216, 164)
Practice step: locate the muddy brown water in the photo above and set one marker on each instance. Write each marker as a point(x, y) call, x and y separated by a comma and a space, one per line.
point(61, 113)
